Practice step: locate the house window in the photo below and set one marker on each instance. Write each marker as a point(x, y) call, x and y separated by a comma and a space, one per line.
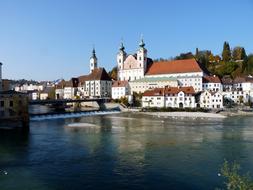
point(2, 104)
point(11, 103)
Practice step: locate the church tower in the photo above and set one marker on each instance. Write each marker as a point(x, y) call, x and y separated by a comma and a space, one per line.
point(121, 56)
point(93, 60)
point(142, 55)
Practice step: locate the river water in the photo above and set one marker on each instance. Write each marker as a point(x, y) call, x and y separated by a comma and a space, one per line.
point(124, 151)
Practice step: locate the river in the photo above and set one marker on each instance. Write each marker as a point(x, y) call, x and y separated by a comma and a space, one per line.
point(124, 151)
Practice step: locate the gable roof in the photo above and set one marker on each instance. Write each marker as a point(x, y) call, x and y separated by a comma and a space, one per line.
point(175, 66)
point(97, 74)
point(211, 79)
point(120, 84)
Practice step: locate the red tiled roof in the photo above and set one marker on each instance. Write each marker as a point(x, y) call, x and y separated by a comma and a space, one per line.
point(97, 74)
point(211, 79)
point(169, 90)
point(176, 66)
point(239, 80)
point(61, 84)
point(154, 92)
point(120, 84)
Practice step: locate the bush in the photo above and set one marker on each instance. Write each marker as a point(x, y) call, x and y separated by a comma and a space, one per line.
point(234, 180)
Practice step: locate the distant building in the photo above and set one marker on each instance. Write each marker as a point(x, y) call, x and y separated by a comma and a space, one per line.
point(120, 89)
point(97, 84)
point(188, 72)
point(59, 90)
point(174, 97)
point(47, 93)
point(148, 83)
point(70, 88)
point(211, 99)
point(13, 109)
point(6, 84)
point(212, 83)
point(227, 83)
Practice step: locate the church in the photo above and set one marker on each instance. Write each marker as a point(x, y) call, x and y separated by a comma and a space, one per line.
point(134, 67)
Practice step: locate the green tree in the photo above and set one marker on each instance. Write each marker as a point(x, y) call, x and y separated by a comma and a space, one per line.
point(249, 64)
point(187, 55)
point(226, 53)
point(233, 179)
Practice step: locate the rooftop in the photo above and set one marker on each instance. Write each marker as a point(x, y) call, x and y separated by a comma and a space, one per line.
point(120, 84)
point(175, 66)
point(169, 90)
point(211, 79)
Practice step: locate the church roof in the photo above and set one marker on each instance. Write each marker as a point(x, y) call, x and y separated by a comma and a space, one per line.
point(175, 66)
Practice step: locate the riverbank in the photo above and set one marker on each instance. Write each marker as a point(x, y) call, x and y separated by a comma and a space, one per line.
point(237, 113)
point(186, 114)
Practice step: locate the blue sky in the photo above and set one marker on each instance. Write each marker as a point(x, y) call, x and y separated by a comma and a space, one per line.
point(51, 39)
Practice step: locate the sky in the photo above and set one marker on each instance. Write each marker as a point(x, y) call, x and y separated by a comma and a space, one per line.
point(53, 39)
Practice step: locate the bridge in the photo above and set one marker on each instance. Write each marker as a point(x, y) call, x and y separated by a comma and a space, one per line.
point(65, 101)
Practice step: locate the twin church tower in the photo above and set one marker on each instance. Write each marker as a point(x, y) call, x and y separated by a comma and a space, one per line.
point(130, 67)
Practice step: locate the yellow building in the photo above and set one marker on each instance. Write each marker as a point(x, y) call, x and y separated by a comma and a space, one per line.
point(13, 109)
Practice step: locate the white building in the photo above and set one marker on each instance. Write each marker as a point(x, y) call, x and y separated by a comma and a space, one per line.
point(30, 87)
point(98, 84)
point(59, 90)
point(212, 83)
point(211, 99)
point(70, 89)
point(187, 71)
point(120, 89)
point(237, 96)
point(175, 97)
point(240, 91)
point(147, 83)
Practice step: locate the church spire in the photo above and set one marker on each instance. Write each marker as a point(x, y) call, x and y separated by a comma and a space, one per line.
point(93, 60)
point(142, 44)
point(121, 48)
point(93, 55)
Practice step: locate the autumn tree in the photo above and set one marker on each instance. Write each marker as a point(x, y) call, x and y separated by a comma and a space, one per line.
point(113, 73)
point(238, 53)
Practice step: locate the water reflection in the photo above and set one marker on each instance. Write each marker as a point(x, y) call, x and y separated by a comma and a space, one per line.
point(125, 151)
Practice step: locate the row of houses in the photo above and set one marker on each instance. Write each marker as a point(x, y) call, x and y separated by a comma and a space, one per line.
point(182, 97)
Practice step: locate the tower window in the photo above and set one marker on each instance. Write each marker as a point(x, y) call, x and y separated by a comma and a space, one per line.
point(140, 58)
point(119, 60)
